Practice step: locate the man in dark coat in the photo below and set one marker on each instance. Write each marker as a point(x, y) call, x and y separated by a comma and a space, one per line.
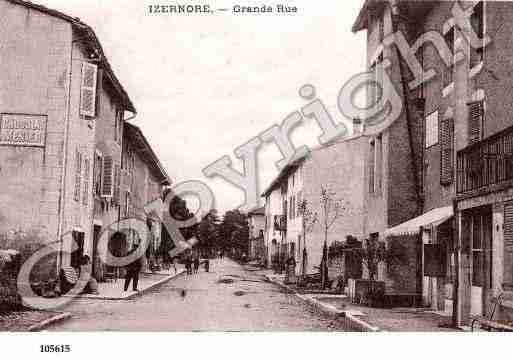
point(132, 271)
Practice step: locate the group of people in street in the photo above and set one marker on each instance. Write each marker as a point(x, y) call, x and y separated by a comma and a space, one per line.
point(192, 263)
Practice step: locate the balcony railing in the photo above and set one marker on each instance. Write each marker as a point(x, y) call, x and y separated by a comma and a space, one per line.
point(487, 165)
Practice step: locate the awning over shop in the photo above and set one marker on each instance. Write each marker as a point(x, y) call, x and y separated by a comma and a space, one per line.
point(432, 218)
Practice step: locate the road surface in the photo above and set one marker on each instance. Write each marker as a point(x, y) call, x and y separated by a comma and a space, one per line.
point(231, 298)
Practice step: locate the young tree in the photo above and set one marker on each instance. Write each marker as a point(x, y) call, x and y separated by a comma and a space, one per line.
point(373, 253)
point(308, 220)
point(332, 209)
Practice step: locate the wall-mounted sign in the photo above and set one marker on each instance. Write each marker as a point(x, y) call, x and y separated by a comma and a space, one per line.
point(22, 130)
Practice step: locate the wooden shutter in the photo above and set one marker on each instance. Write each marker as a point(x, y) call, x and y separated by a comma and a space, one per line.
point(86, 182)
point(446, 151)
point(475, 121)
point(117, 182)
point(508, 245)
point(108, 177)
point(88, 89)
point(78, 174)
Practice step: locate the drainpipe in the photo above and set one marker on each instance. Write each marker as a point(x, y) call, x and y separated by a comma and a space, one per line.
point(396, 14)
point(134, 114)
point(64, 164)
point(456, 230)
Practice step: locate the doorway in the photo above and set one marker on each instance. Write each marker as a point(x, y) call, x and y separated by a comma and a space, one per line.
point(96, 261)
point(477, 260)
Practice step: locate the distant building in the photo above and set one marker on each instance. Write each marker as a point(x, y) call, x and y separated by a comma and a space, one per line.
point(256, 223)
point(337, 167)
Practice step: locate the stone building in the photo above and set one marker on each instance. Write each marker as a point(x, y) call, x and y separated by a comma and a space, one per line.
point(137, 179)
point(453, 165)
point(56, 83)
point(275, 225)
point(337, 167)
point(256, 223)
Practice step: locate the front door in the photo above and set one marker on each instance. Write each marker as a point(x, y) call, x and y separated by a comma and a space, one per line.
point(97, 264)
point(478, 266)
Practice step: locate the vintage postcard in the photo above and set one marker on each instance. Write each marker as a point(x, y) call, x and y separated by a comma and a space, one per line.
point(295, 166)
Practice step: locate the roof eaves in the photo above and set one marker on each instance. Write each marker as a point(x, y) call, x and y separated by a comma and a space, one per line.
point(75, 21)
point(283, 173)
point(137, 131)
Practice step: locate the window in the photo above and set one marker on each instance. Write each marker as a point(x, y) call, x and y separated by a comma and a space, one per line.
point(378, 162)
point(448, 72)
point(88, 89)
point(447, 151)
point(85, 196)
point(477, 22)
point(118, 126)
point(117, 183)
point(127, 203)
point(432, 129)
point(78, 175)
point(477, 252)
point(475, 121)
point(372, 147)
point(97, 174)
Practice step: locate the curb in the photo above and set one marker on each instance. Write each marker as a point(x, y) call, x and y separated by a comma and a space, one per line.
point(154, 285)
point(134, 294)
point(327, 309)
point(50, 321)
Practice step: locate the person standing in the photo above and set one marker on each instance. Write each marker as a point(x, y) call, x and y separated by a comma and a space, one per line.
point(196, 263)
point(188, 264)
point(173, 264)
point(132, 271)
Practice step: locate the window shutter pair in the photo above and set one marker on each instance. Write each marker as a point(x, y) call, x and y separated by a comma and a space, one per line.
point(475, 121)
point(446, 151)
point(78, 174)
point(88, 89)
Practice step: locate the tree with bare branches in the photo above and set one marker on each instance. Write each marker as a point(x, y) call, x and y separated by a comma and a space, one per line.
point(332, 209)
point(308, 220)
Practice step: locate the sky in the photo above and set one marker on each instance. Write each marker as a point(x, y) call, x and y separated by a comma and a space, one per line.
point(204, 85)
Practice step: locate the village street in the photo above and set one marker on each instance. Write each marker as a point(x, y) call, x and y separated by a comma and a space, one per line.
point(230, 298)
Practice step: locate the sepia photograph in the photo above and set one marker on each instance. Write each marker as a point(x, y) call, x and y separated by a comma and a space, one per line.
point(300, 167)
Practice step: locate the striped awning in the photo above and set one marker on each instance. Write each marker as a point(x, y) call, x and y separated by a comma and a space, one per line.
point(431, 218)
